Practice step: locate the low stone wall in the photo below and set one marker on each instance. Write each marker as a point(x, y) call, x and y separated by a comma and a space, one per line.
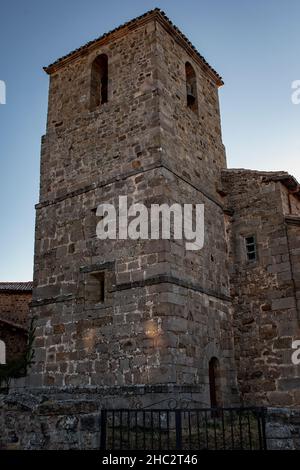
point(28, 423)
point(283, 429)
point(66, 420)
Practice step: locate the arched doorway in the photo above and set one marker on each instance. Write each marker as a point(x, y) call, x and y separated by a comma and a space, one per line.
point(215, 383)
point(2, 353)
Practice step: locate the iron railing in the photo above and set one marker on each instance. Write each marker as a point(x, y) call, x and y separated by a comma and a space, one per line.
point(189, 429)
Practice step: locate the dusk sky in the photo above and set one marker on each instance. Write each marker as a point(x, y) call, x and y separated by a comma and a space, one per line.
point(254, 45)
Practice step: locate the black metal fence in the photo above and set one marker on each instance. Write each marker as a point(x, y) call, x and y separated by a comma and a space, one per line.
point(192, 429)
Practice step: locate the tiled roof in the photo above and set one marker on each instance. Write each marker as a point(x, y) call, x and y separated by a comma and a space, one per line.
point(16, 286)
point(157, 13)
point(289, 181)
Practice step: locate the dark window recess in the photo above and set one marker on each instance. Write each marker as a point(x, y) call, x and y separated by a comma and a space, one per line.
point(99, 81)
point(191, 87)
point(95, 288)
point(251, 248)
point(91, 224)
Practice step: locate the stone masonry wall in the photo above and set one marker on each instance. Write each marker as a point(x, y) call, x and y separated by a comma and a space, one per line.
point(266, 314)
point(62, 421)
point(283, 429)
point(14, 307)
point(191, 141)
point(84, 147)
point(164, 327)
point(293, 238)
point(166, 311)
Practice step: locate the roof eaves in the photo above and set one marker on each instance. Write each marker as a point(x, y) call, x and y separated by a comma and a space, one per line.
point(132, 24)
point(13, 325)
point(289, 181)
point(16, 286)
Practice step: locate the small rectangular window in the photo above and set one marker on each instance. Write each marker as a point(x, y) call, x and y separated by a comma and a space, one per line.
point(251, 248)
point(95, 288)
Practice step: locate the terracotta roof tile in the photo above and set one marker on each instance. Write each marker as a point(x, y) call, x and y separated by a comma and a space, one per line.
point(16, 286)
point(289, 181)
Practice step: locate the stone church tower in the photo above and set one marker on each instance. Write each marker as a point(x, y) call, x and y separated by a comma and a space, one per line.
point(134, 113)
point(147, 323)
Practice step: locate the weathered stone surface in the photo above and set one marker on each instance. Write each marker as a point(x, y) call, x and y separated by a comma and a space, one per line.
point(166, 311)
point(282, 429)
point(264, 291)
point(136, 323)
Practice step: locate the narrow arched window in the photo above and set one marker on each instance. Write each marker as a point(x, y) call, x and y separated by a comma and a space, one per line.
point(99, 81)
point(214, 382)
point(2, 353)
point(191, 88)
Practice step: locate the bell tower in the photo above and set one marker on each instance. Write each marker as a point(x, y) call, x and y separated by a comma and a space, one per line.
point(134, 113)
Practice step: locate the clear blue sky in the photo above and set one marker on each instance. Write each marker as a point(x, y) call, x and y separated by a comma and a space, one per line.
point(253, 44)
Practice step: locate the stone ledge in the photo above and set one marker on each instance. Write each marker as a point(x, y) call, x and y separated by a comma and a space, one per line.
point(292, 220)
point(164, 278)
point(152, 281)
point(108, 390)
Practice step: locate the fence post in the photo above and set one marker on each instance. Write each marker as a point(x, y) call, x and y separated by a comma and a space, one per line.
point(178, 426)
point(263, 424)
point(103, 422)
